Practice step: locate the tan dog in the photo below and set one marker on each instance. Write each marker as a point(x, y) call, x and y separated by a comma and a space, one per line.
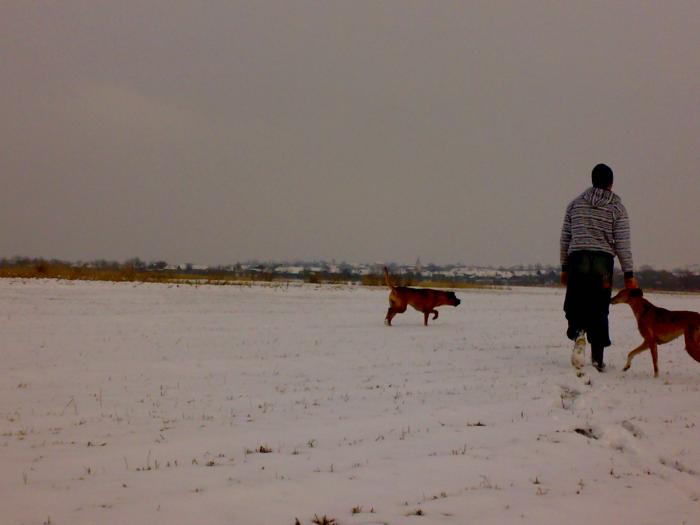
point(422, 299)
point(658, 326)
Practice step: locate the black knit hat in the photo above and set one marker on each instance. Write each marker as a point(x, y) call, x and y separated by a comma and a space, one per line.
point(602, 176)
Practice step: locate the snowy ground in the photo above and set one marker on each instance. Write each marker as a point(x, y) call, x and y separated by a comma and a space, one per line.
point(124, 403)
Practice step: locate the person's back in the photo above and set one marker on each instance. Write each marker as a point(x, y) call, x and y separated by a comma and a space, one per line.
point(597, 220)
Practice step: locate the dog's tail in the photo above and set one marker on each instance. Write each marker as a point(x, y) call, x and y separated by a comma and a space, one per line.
point(387, 281)
point(692, 341)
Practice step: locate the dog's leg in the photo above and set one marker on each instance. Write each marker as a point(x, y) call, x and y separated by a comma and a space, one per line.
point(655, 357)
point(435, 314)
point(425, 318)
point(395, 308)
point(634, 352)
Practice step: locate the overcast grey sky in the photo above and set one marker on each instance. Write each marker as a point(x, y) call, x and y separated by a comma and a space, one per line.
point(222, 131)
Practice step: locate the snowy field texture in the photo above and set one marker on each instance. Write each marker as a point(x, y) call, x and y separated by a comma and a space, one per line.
point(238, 405)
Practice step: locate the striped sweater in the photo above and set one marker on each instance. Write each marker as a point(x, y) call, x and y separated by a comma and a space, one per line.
point(597, 221)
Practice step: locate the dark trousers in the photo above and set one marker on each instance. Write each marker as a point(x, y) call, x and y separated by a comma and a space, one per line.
point(587, 302)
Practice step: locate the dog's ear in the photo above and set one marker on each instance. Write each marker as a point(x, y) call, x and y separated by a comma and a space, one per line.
point(636, 292)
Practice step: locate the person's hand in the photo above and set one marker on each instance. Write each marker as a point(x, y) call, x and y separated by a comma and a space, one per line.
point(631, 283)
point(564, 278)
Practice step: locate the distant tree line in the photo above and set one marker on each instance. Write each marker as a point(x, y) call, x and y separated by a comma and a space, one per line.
point(679, 280)
point(322, 272)
point(100, 264)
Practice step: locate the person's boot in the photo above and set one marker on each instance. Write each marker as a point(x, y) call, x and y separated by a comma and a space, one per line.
point(578, 355)
point(597, 357)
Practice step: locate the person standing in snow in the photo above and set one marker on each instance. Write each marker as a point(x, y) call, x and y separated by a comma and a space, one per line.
point(596, 229)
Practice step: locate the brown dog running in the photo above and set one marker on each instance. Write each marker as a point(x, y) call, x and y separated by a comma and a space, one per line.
point(422, 299)
point(658, 326)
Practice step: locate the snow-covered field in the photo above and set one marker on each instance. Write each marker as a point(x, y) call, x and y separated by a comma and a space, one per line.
point(123, 403)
